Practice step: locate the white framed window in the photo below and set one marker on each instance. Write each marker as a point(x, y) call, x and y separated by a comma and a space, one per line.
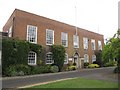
point(85, 43)
point(32, 57)
point(10, 32)
point(99, 45)
point(49, 37)
point(93, 58)
point(49, 59)
point(76, 41)
point(66, 59)
point(86, 58)
point(64, 39)
point(93, 44)
point(32, 34)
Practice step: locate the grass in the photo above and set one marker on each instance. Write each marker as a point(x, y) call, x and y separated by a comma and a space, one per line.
point(79, 83)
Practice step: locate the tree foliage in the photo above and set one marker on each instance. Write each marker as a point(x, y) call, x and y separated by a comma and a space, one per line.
point(111, 50)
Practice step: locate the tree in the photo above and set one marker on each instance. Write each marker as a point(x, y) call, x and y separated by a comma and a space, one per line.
point(58, 55)
point(111, 50)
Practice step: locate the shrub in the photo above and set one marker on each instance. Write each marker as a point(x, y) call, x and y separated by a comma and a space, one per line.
point(110, 63)
point(23, 69)
point(74, 64)
point(117, 70)
point(93, 66)
point(86, 64)
point(17, 70)
point(40, 69)
point(70, 68)
point(54, 69)
point(10, 71)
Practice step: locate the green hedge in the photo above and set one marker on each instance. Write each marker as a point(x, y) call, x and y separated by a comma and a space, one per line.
point(20, 70)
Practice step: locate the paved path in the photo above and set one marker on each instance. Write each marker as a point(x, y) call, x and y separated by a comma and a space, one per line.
point(100, 73)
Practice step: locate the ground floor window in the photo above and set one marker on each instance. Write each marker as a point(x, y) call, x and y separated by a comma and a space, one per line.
point(66, 59)
point(32, 58)
point(86, 58)
point(93, 58)
point(49, 59)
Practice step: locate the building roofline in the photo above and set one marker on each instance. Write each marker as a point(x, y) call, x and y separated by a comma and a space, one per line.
point(51, 20)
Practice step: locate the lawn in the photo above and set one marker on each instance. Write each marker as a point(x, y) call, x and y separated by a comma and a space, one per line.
point(79, 83)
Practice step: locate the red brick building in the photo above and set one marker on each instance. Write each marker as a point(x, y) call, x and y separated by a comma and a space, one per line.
point(79, 43)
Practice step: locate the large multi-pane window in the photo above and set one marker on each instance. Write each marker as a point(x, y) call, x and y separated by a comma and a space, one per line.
point(93, 44)
point(93, 58)
point(85, 43)
point(99, 45)
point(49, 59)
point(10, 32)
point(86, 58)
point(66, 59)
point(49, 37)
point(76, 41)
point(32, 58)
point(32, 34)
point(64, 39)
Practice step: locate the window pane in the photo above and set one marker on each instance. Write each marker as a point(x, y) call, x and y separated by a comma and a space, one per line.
point(85, 43)
point(99, 45)
point(76, 41)
point(32, 58)
point(49, 37)
point(49, 58)
point(32, 34)
point(64, 39)
point(93, 44)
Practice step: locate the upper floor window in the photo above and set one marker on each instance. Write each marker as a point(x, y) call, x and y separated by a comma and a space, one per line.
point(86, 58)
point(76, 41)
point(93, 58)
point(85, 43)
point(32, 34)
point(49, 37)
point(32, 56)
point(10, 32)
point(66, 59)
point(93, 44)
point(99, 45)
point(64, 39)
point(49, 59)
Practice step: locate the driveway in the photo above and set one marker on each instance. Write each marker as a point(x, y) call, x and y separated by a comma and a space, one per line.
point(99, 73)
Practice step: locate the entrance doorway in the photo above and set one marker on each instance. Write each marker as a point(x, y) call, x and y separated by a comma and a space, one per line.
point(75, 59)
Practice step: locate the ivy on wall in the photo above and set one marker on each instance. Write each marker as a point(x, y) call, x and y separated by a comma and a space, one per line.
point(58, 55)
point(16, 51)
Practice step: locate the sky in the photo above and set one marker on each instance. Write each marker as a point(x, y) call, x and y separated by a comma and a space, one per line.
point(100, 16)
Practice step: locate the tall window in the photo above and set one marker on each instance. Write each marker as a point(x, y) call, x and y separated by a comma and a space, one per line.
point(93, 44)
point(76, 41)
point(86, 58)
point(93, 58)
point(99, 45)
point(64, 39)
point(85, 43)
point(49, 59)
point(66, 59)
point(10, 32)
point(32, 34)
point(32, 56)
point(49, 37)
